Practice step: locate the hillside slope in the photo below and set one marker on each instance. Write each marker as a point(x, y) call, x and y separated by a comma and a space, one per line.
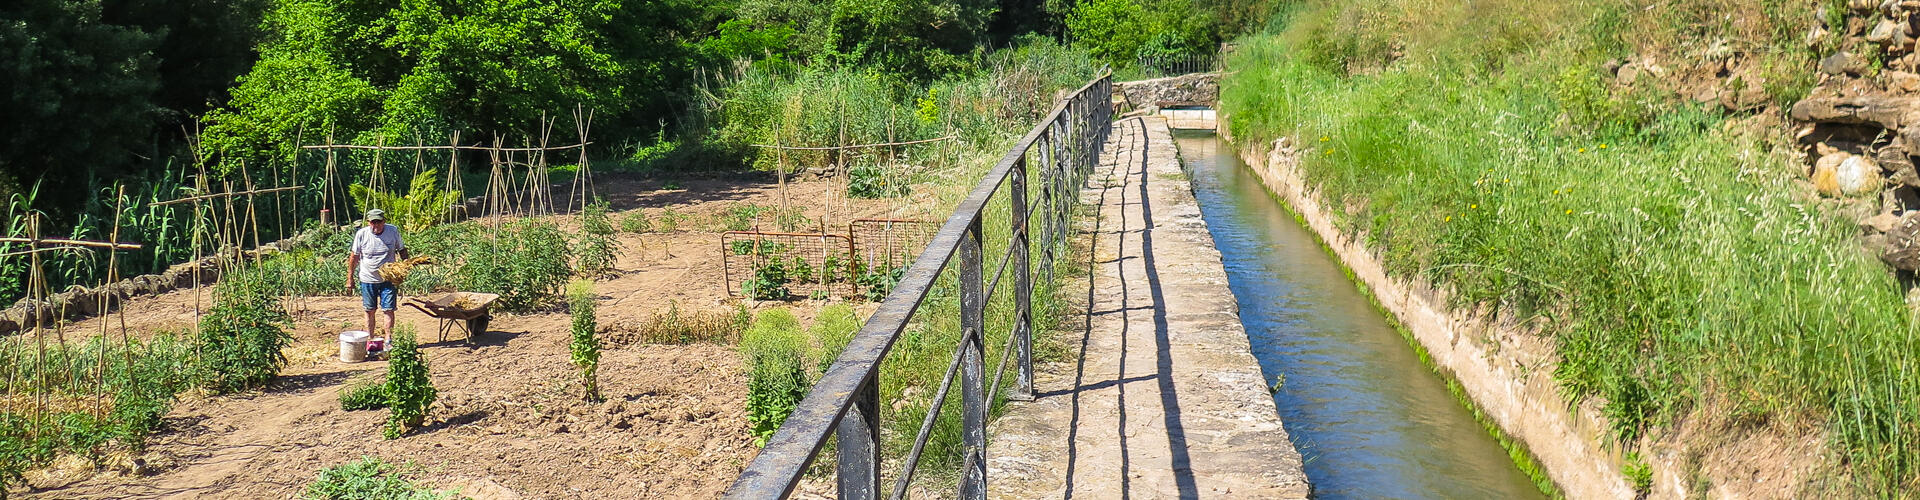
point(1625, 178)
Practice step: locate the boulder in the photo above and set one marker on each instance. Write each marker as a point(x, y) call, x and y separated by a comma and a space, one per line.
point(1899, 165)
point(1903, 81)
point(1628, 73)
point(1883, 32)
point(1825, 172)
point(1859, 175)
point(1841, 63)
point(1903, 252)
point(1879, 223)
point(1883, 111)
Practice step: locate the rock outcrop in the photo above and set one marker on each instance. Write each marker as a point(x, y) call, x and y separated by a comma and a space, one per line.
point(1201, 89)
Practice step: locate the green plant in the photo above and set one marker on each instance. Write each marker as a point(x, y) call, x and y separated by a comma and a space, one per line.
point(525, 264)
point(1638, 472)
point(773, 350)
point(670, 219)
point(368, 478)
point(872, 181)
point(596, 253)
point(636, 222)
point(241, 338)
point(769, 280)
point(424, 205)
point(410, 390)
point(742, 217)
point(833, 329)
point(584, 349)
point(367, 394)
point(877, 282)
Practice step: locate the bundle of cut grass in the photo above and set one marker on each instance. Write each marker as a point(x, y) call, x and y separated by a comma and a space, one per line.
point(396, 272)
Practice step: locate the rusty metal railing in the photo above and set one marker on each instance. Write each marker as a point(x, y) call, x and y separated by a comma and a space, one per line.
point(845, 402)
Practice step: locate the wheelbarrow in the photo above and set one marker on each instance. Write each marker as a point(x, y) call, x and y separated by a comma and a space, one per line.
point(465, 311)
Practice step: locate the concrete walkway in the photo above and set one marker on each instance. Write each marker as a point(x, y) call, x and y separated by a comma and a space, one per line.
point(1162, 398)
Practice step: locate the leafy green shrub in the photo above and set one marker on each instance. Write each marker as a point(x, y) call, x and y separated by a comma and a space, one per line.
point(872, 181)
point(526, 265)
point(833, 329)
point(669, 220)
point(1638, 472)
point(242, 336)
point(16, 451)
point(877, 282)
point(774, 352)
point(584, 349)
point(596, 252)
point(368, 478)
point(367, 394)
point(742, 217)
point(424, 205)
point(410, 390)
point(636, 222)
point(769, 281)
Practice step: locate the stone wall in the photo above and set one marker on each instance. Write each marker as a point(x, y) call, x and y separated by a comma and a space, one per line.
point(1200, 89)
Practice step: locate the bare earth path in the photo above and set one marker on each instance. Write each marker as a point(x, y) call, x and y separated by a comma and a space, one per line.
point(1163, 399)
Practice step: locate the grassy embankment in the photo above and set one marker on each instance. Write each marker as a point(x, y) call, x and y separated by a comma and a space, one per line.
point(1678, 266)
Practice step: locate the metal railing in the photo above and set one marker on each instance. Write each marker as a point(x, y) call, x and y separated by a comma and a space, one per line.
point(845, 402)
point(1159, 66)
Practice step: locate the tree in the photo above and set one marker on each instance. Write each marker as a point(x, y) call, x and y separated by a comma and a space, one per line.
point(78, 91)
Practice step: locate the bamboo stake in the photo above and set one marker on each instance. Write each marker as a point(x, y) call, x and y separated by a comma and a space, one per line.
point(106, 300)
point(249, 192)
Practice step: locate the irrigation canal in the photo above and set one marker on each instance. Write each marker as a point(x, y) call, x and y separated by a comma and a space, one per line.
point(1369, 418)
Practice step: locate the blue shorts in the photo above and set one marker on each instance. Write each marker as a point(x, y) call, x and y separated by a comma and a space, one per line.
point(383, 290)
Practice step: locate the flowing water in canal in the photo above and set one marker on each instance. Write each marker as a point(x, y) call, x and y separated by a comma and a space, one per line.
point(1371, 420)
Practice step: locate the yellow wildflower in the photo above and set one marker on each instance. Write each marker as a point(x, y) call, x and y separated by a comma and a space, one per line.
point(1323, 138)
point(1603, 146)
point(1583, 150)
point(1569, 211)
point(1476, 205)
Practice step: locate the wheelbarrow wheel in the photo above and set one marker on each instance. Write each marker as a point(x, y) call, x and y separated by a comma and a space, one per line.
point(477, 326)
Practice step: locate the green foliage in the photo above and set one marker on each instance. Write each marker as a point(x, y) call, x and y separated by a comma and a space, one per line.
point(872, 181)
point(673, 326)
point(636, 222)
point(424, 205)
point(669, 220)
point(742, 217)
point(368, 478)
point(878, 281)
point(1638, 473)
point(584, 349)
point(1122, 31)
point(410, 390)
point(389, 68)
point(526, 265)
point(927, 109)
point(595, 255)
point(367, 394)
point(833, 329)
point(79, 91)
point(242, 336)
point(769, 280)
point(774, 351)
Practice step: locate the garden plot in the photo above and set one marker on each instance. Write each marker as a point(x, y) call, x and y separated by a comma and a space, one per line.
point(510, 417)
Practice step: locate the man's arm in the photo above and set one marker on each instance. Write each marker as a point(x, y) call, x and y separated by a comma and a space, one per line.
point(353, 269)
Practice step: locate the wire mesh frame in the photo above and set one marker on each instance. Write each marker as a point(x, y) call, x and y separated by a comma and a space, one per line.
point(886, 243)
point(828, 259)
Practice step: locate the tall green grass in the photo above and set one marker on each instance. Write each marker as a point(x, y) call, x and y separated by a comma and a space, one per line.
point(1677, 268)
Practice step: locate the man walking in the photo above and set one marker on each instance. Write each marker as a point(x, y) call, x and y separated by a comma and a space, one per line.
point(373, 246)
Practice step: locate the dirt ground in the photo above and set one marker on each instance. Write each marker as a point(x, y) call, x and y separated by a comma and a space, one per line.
point(510, 421)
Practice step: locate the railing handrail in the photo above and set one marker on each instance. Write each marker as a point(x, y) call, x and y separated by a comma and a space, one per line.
point(854, 375)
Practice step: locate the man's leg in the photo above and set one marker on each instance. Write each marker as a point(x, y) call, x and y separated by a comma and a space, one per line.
point(367, 302)
point(389, 296)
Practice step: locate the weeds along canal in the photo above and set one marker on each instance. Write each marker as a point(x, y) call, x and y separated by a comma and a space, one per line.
point(1370, 418)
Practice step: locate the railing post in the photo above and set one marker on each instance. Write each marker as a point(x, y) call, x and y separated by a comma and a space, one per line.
point(1023, 287)
point(859, 444)
point(973, 484)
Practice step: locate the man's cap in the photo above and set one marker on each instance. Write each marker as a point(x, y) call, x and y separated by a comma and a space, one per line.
point(376, 215)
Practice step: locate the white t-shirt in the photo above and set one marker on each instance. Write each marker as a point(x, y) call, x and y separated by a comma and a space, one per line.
point(376, 249)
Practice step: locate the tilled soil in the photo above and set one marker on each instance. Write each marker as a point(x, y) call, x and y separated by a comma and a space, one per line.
point(510, 421)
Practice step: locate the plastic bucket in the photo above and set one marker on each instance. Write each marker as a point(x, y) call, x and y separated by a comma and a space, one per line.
point(353, 346)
